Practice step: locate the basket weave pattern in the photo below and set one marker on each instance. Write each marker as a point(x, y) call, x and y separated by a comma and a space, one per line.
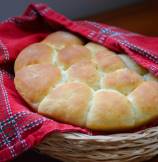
point(125, 147)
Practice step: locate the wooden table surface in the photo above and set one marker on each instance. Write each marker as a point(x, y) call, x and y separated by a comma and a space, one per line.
point(141, 18)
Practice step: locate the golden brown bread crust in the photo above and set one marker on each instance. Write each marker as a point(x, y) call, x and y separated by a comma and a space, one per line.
point(110, 110)
point(85, 85)
point(95, 48)
point(108, 61)
point(122, 80)
point(36, 53)
point(145, 101)
point(84, 71)
point(61, 39)
point(68, 103)
point(72, 54)
point(33, 82)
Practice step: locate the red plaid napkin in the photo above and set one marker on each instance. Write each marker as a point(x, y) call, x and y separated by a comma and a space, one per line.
point(20, 128)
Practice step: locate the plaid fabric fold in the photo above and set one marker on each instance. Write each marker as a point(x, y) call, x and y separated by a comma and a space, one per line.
point(20, 128)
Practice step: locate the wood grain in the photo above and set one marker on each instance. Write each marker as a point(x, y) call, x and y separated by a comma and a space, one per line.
point(141, 18)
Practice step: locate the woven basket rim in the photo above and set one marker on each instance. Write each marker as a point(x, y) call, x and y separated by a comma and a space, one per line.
point(131, 147)
point(110, 137)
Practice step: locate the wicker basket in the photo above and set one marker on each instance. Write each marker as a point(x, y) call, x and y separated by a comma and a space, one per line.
point(125, 147)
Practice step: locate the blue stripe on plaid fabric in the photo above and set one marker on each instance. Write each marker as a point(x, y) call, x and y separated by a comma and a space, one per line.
point(15, 117)
point(106, 32)
point(32, 124)
point(5, 96)
point(11, 135)
point(13, 126)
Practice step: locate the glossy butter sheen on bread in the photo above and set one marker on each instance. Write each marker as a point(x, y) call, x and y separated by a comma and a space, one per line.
point(85, 84)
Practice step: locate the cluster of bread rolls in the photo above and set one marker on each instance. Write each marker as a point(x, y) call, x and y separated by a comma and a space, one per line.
point(85, 84)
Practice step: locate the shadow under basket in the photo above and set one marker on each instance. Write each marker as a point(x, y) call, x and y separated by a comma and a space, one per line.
point(124, 147)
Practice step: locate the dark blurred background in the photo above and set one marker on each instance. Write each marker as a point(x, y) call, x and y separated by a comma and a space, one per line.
point(71, 8)
point(135, 15)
